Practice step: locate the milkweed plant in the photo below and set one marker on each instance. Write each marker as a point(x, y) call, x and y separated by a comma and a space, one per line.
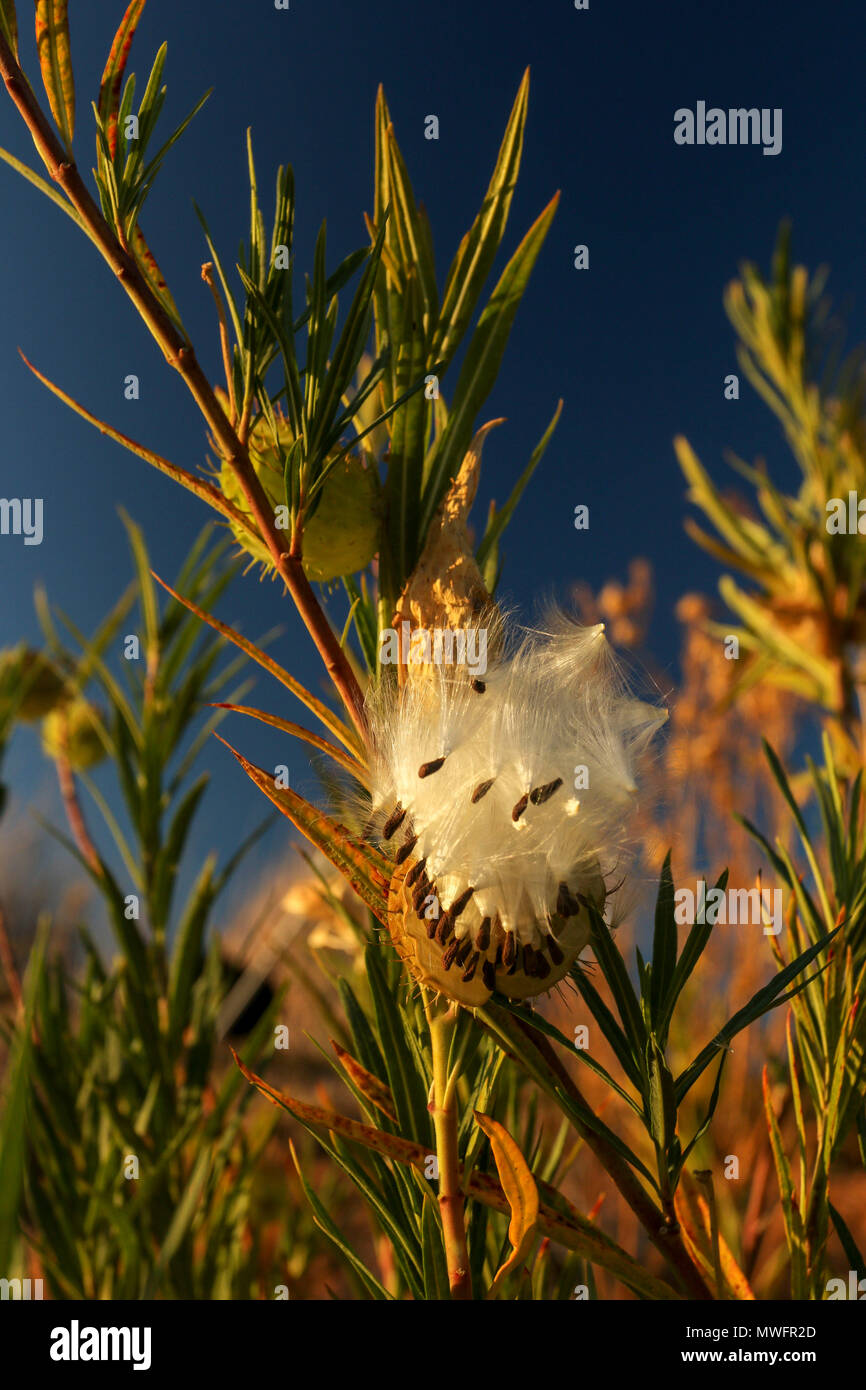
point(483, 778)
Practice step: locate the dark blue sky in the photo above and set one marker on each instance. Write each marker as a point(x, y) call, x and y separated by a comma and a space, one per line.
point(637, 346)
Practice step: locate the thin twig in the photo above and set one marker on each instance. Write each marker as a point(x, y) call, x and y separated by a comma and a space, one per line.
point(179, 354)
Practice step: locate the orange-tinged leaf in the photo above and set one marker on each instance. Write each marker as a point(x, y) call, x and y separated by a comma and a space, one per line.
point(347, 736)
point(370, 1086)
point(693, 1214)
point(112, 77)
point(352, 861)
point(55, 60)
point(206, 491)
point(286, 726)
point(146, 262)
point(519, 1187)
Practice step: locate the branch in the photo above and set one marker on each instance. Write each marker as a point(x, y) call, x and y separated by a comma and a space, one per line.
point(664, 1234)
point(179, 354)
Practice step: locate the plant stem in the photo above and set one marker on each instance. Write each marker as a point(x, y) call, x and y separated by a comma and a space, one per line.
point(75, 815)
point(451, 1200)
point(179, 354)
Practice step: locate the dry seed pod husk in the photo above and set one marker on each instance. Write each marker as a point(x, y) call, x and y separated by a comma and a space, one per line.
point(423, 956)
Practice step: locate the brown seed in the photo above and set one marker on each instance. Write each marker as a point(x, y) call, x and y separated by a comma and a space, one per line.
point(498, 961)
point(515, 964)
point(488, 974)
point(459, 903)
point(431, 926)
point(393, 822)
point(529, 959)
point(406, 848)
point(471, 967)
point(542, 969)
point(427, 769)
point(415, 872)
point(465, 948)
point(449, 953)
point(509, 951)
point(482, 789)
point(542, 794)
point(482, 936)
point(478, 685)
point(422, 892)
point(520, 807)
point(567, 905)
point(554, 950)
point(445, 927)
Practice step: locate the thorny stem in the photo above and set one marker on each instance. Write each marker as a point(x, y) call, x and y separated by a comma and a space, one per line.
point(451, 1200)
point(661, 1229)
point(180, 355)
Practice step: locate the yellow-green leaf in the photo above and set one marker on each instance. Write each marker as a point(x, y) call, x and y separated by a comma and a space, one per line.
point(55, 60)
point(519, 1187)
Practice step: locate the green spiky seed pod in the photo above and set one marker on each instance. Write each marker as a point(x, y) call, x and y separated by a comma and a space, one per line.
point(70, 731)
point(342, 535)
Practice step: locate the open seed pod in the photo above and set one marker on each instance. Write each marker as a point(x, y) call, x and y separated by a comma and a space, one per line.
point(500, 789)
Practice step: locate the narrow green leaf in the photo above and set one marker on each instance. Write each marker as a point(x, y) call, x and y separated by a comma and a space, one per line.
point(664, 957)
point(765, 999)
point(478, 248)
point(325, 1224)
point(16, 1089)
point(481, 364)
point(434, 1263)
point(849, 1244)
point(407, 1087)
point(500, 519)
